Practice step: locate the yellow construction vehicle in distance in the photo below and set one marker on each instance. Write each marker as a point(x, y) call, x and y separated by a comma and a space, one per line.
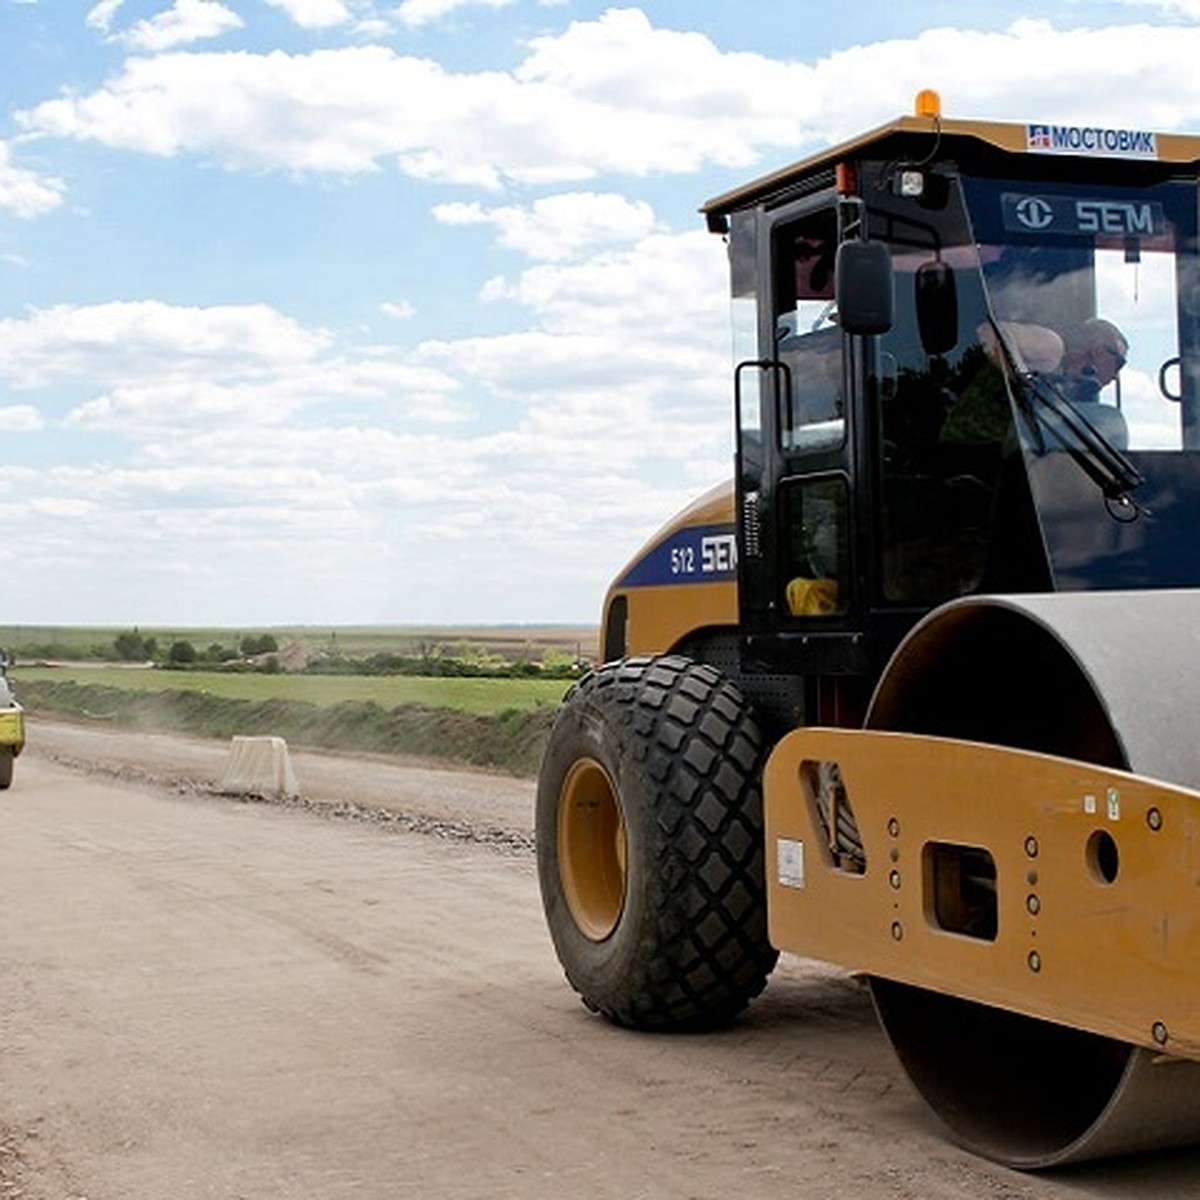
point(12, 726)
point(915, 693)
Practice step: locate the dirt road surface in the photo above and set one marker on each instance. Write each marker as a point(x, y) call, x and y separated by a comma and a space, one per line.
point(203, 997)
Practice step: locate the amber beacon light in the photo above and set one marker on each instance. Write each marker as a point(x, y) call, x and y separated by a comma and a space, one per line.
point(928, 103)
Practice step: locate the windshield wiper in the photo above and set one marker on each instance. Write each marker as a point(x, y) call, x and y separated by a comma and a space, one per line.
point(1107, 467)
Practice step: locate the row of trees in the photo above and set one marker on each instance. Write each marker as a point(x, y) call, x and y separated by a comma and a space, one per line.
point(465, 663)
point(131, 646)
point(261, 652)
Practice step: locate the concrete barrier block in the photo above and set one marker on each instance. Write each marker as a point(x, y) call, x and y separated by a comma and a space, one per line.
point(259, 766)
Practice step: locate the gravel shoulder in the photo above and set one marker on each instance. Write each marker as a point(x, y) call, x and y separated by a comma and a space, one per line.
point(417, 794)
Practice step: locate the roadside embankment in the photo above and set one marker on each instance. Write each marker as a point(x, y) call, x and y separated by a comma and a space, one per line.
point(511, 740)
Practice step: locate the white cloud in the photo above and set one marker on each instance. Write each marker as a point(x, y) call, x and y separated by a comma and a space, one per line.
point(259, 438)
point(558, 227)
point(21, 418)
point(155, 367)
point(156, 404)
point(24, 193)
point(346, 110)
point(314, 14)
point(626, 363)
point(1189, 10)
point(415, 13)
point(186, 21)
point(612, 95)
point(400, 310)
point(127, 339)
point(1064, 75)
point(101, 15)
point(667, 288)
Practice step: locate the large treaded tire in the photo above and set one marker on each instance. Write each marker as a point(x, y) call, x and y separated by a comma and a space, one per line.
point(650, 844)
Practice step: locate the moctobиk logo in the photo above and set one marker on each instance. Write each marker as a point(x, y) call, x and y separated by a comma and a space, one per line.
point(1090, 139)
point(1039, 137)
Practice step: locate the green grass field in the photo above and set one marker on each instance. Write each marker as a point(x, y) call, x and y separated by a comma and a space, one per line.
point(485, 721)
point(477, 696)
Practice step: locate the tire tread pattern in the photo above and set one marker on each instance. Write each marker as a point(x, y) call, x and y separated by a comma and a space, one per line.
point(704, 952)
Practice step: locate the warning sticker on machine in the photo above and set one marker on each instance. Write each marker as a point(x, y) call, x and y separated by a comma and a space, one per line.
point(789, 855)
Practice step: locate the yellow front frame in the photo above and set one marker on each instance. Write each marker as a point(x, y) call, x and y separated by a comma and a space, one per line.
point(1119, 958)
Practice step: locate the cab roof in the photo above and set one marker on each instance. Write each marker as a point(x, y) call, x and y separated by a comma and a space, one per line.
point(913, 134)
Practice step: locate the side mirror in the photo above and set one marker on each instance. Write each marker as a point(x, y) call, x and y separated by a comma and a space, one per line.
point(864, 287)
point(937, 307)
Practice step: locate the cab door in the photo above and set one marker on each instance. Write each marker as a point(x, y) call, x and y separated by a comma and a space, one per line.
point(796, 444)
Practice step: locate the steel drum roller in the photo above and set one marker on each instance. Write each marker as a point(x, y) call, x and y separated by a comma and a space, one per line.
point(1107, 678)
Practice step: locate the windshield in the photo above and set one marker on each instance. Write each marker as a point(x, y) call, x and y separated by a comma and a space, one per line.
point(1094, 288)
point(1055, 318)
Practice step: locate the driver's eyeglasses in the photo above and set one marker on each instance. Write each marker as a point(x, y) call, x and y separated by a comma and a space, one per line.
point(1117, 356)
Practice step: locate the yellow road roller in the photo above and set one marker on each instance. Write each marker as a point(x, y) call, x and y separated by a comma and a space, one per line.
point(913, 694)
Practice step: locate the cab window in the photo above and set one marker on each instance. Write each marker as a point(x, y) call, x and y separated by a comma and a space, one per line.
point(808, 340)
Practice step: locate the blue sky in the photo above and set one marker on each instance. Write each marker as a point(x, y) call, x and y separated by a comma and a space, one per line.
point(362, 311)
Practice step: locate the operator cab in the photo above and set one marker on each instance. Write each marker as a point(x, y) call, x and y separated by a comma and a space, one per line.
point(967, 360)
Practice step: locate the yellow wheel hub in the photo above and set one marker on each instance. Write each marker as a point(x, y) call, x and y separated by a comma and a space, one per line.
point(591, 849)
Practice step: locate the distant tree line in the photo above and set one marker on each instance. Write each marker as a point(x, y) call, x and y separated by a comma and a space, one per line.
point(131, 646)
point(259, 652)
point(463, 664)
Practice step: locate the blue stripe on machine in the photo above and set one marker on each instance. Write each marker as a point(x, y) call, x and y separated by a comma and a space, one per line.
point(698, 554)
